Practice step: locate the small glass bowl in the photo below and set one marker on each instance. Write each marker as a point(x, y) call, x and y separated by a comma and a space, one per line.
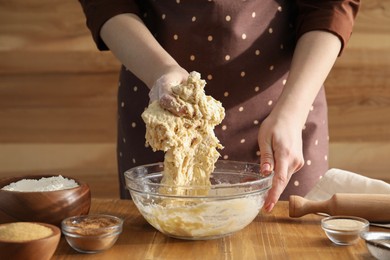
point(91, 233)
point(344, 230)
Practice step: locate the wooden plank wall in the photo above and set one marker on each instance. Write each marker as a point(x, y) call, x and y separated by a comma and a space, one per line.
point(58, 95)
point(358, 91)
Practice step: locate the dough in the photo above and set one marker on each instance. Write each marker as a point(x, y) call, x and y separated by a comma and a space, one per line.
point(188, 141)
point(190, 147)
point(210, 219)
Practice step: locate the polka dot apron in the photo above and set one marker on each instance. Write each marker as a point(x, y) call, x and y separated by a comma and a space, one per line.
point(243, 50)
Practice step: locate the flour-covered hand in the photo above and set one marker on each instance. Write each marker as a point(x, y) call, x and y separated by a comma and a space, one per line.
point(162, 91)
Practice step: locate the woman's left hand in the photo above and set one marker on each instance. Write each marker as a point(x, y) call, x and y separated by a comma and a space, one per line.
point(280, 142)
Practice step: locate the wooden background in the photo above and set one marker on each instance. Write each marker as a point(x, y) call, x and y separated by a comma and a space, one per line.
point(58, 95)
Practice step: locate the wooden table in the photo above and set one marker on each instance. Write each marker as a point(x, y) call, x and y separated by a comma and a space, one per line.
point(269, 236)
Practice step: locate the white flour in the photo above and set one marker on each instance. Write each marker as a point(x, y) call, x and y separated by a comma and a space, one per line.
point(44, 184)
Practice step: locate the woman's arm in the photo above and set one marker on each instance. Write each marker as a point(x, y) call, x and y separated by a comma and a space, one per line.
point(323, 29)
point(133, 44)
point(280, 135)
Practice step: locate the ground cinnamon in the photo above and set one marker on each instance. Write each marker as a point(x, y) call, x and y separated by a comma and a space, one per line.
point(92, 233)
point(92, 226)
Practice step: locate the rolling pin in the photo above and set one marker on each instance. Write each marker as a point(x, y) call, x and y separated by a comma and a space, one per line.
point(372, 207)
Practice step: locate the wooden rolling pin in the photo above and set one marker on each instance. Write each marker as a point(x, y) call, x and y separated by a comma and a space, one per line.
point(372, 207)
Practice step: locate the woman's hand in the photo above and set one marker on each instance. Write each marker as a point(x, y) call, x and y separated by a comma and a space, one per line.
point(162, 90)
point(280, 142)
point(280, 135)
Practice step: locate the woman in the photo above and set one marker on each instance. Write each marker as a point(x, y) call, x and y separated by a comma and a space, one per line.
point(265, 60)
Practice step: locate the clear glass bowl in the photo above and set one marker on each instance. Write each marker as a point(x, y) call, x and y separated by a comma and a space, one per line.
point(91, 233)
point(344, 230)
point(235, 198)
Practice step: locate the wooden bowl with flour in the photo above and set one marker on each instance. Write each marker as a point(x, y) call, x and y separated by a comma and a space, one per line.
point(50, 206)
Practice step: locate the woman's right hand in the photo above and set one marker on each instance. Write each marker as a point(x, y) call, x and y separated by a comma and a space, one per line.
point(162, 90)
point(136, 47)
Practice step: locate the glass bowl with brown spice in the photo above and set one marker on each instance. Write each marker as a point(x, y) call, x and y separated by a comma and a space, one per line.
point(92, 233)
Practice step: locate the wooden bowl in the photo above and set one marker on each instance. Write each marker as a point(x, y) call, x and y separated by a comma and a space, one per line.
point(42, 249)
point(46, 206)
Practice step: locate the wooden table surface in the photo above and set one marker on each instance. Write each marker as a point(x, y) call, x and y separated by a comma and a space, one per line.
point(269, 236)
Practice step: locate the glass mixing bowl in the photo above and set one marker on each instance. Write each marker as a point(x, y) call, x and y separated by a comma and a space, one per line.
point(233, 200)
